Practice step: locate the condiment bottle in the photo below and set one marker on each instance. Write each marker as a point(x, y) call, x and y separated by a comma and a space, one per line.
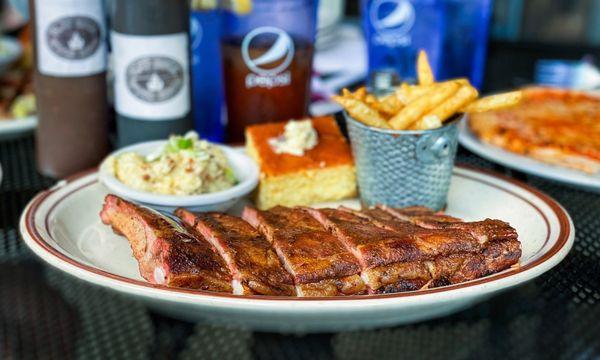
point(150, 41)
point(70, 84)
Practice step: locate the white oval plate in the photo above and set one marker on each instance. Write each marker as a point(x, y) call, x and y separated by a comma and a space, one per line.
point(524, 163)
point(14, 127)
point(62, 227)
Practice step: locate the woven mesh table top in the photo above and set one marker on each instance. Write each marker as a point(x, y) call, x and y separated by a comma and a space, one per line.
point(46, 314)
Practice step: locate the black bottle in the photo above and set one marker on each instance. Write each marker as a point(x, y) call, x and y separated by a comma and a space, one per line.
point(150, 41)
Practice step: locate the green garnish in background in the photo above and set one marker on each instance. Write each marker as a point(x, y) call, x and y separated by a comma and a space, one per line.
point(230, 176)
point(185, 143)
point(177, 143)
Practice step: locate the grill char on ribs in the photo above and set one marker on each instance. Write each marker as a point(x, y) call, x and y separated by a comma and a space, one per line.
point(500, 245)
point(483, 231)
point(391, 261)
point(321, 266)
point(446, 251)
point(312, 252)
point(255, 267)
point(430, 242)
point(166, 253)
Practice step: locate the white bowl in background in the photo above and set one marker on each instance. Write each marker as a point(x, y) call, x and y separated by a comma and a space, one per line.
point(244, 169)
point(14, 128)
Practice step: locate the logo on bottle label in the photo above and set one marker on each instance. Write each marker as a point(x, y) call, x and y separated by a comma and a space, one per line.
point(392, 20)
point(154, 78)
point(268, 52)
point(74, 37)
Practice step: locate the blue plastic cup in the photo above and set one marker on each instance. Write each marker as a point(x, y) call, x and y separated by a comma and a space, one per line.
point(395, 31)
point(465, 41)
point(207, 80)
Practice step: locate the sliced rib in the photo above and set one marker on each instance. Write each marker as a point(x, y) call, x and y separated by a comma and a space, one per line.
point(430, 242)
point(500, 245)
point(446, 252)
point(483, 231)
point(167, 254)
point(254, 265)
point(419, 213)
point(390, 260)
point(320, 265)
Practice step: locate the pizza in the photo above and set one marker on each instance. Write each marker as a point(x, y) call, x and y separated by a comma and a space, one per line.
point(556, 126)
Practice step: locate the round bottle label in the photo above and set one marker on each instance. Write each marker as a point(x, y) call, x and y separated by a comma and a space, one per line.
point(151, 75)
point(70, 37)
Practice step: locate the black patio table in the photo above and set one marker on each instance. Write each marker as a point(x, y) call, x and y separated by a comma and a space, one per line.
point(47, 314)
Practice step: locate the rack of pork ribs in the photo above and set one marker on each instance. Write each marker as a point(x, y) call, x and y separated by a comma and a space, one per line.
point(311, 252)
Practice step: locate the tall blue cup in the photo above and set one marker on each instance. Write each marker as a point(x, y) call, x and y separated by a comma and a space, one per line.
point(207, 79)
point(465, 40)
point(395, 31)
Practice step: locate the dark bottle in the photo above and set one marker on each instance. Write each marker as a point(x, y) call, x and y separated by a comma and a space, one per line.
point(150, 41)
point(70, 84)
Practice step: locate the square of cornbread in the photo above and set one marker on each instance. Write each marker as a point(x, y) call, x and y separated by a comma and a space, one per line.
point(324, 173)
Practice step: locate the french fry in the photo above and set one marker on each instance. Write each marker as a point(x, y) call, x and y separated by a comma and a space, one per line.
point(362, 112)
point(414, 110)
point(371, 100)
point(423, 106)
point(360, 93)
point(453, 104)
point(402, 93)
point(389, 105)
point(494, 102)
point(424, 72)
point(426, 123)
point(460, 81)
point(446, 109)
point(408, 93)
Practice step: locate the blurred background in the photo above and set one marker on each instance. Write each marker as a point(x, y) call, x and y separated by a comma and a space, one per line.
point(520, 30)
point(242, 62)
point(499, 45)
point(524, 31)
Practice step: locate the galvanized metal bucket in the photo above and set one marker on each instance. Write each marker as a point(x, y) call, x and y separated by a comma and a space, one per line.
point(403, 168)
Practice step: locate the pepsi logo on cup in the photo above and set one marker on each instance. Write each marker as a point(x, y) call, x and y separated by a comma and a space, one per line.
point(196, 33)
point(268, 52)
point(277, 57)
point(392, 21)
